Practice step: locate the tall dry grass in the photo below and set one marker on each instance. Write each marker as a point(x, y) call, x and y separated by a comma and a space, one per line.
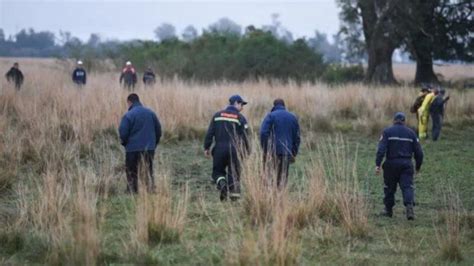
point(449, 233)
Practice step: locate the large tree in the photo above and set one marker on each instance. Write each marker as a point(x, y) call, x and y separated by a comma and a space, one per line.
point(428, 29)
point(380, 34)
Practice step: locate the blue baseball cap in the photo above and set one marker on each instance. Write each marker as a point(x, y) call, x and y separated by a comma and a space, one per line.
point(399, 116)
point(237, 98)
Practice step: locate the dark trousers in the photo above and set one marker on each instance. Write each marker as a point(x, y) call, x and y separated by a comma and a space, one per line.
point(139, 160)
point(398, 171)
point(280, 166)
point(226, 166)
point(437, 124)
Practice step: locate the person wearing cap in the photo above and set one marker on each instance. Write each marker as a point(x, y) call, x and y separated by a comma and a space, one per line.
point(398, 144)
point(140, 133)
point(228, 131)
point(128, 76)
point(15, 75)
point(425, 89)
point(280, 140)
point(79, 75)
point(423, 115)
point(437, 112)
point(149, 78)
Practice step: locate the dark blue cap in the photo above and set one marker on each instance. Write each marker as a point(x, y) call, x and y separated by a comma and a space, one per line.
point(399, 116)
point(237, 98)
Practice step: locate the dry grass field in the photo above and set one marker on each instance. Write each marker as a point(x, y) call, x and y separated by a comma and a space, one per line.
point(62, 182)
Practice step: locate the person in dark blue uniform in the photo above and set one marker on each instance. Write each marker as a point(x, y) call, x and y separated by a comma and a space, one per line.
point(228, 130)
point(79, 75)
point(437, 112)
point(398, 144)
point(280, 140)
point(140, 133)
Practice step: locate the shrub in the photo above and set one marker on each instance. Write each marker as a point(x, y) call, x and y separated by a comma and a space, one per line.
point(337, 74)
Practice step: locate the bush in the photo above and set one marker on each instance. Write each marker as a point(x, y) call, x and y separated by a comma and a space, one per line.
point(337, 74)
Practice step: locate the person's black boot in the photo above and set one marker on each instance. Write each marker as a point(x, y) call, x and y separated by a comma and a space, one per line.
point(386, 212)
point(410, 212)
point(222, 186)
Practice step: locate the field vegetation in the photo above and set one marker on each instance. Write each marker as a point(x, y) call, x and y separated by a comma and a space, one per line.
point(62, 178)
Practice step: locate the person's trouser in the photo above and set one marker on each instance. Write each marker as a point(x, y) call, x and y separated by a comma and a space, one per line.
point(278, 166)
point(142, 160)
point(398, 171)
point(226, 167)
point(130, 86)
point(437, 120)
point(423, 125)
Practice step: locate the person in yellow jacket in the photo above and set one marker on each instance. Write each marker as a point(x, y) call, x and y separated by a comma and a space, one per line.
point(424, 113)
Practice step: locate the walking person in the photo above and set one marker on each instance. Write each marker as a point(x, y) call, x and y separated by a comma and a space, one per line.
point(79, 75)
point(149, 77)
point(423, 115)
point(228, 131)
point(398, 144)
point(280, 140)
point(129, 76)
point(15, 75)
point(425, 89)
point(140, 133)
point(437, 112)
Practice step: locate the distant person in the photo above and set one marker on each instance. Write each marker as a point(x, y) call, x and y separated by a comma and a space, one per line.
point(149, 78)
point(15, 75)
point(79, 75)
point(228, 131)
point(140, 133)
point(129, 76)
point(423, 115)
point(425, 89)
point(397, 145)
point(280, 140)
point(437, 112)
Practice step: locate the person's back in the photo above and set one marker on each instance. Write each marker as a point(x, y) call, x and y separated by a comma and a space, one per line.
point(149, 78)
point(79, 76)
point(280, 129)
point(128, 76)
point(437, 106)
point(401, 142)
point(228, 130)
point(15, 75)
point(140, 129)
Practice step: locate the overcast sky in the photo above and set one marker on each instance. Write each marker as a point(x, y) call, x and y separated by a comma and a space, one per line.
point(137, 19)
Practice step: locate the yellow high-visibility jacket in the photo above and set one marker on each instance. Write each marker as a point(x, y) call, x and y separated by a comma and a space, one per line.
point(423, 115)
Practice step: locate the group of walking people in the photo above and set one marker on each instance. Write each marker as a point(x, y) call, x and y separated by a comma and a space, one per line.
point(128, 76)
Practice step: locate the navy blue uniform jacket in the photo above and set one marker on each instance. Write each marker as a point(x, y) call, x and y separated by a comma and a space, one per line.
point(79, 76)
point(140, 129)
point(229, 129)
point(280, 132)
point(399, 142)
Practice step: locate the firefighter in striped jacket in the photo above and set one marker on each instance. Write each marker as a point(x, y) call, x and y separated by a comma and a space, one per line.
point(228, 131)
point(398, 144)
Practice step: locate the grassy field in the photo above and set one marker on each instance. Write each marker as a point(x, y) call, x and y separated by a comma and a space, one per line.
point(62, 182)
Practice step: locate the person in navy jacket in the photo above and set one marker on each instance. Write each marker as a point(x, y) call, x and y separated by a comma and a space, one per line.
point(79, 75)
point(228, 131)
point(280, 140)
point(140, 133)
point(398, 144)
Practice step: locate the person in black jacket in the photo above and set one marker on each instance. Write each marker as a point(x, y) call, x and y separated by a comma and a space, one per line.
point(228, 130)
point(140, 133)
point(437, 112)
point(149, 78)
point(398, 144)
point(280, 140)
point(79, 75)
point(15, 75)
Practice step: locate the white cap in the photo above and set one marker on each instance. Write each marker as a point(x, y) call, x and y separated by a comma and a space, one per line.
point(128, 63)
point(79, 62)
